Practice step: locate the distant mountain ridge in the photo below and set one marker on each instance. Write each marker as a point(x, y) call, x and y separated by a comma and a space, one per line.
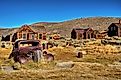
point(64, 28)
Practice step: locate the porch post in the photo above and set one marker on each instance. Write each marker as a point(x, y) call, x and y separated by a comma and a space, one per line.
point(82, 36)
point(90, 35)
point(11, 37)
point(38, 36)
point(118, 32)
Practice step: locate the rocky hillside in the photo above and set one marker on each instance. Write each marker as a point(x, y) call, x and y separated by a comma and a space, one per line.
point(97, 23)
point(64, 28)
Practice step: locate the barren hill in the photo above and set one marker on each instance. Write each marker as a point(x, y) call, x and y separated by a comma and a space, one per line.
point(97, 23)
point(64, 28)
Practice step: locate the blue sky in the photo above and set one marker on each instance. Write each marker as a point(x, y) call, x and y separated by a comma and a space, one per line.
point(15, 13)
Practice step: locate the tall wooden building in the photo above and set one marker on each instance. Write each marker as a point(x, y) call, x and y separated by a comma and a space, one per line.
point(26, 32)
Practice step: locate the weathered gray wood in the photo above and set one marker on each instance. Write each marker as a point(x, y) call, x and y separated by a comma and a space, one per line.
point(37, 55)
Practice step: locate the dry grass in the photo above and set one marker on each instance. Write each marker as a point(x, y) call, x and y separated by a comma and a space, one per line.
point(100, 63)
point(4, 54)
point(63, 53)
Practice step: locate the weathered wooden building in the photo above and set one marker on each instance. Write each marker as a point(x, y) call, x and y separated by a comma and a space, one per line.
point(88, 33)
point(79, 33)
point(26, 32)
point(114, 29)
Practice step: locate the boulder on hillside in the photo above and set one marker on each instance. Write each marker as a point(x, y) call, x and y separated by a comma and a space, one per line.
point(69, 64)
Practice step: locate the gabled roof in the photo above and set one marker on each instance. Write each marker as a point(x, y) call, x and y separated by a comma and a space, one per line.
point(34, 28)
point(116, 24)
point(24, 27)
point(81, 30)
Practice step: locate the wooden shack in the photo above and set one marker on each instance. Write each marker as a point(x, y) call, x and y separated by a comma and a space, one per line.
point(101, 35)
point(79, 33)
point(114, 29)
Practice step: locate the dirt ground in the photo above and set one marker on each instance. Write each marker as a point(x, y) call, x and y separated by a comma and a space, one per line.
point(101, 62)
